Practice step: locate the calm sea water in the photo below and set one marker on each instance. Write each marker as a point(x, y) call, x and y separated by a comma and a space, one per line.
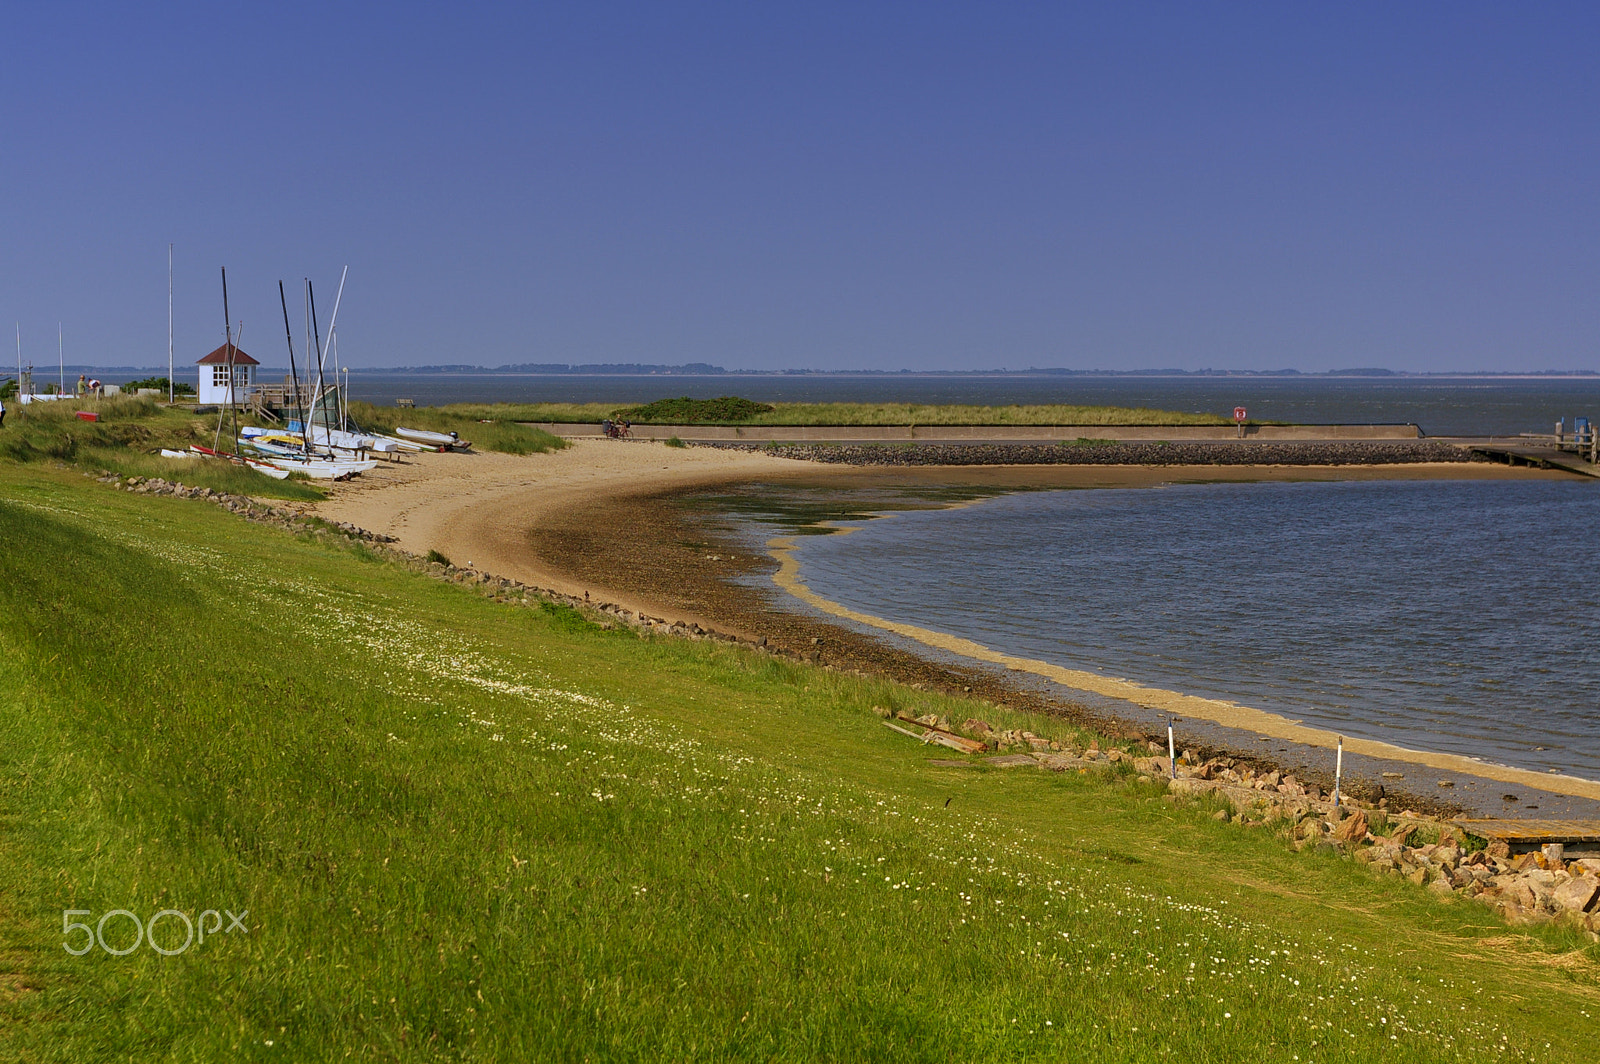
point(1442, 407)
point(1452, 616)
point(1446, 406)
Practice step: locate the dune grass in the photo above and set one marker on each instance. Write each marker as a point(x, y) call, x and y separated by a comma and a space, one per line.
point(487, 433)
point(791, 414)
point(470, 831)
point(128, 439)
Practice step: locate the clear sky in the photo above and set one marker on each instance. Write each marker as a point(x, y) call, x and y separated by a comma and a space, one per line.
point(925, 186)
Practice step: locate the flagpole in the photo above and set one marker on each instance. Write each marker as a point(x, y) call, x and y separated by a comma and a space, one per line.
point(172, 390)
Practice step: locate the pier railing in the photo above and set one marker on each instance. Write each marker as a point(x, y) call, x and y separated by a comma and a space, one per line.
point(271, 400)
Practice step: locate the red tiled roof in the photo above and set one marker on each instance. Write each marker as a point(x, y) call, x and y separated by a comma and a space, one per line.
point(219, 357)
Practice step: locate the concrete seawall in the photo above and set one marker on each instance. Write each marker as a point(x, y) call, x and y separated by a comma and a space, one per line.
point(989, 433)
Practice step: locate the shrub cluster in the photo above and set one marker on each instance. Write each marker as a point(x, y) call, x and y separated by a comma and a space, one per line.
point(687, 411)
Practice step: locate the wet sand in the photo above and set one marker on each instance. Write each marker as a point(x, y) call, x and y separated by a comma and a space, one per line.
point(608, 518)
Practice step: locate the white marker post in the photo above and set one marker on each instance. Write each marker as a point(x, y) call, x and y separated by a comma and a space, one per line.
point(1172, 753)
point(1338, 772)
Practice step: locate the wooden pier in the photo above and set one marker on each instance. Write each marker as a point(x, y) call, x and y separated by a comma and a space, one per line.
point(1581, 838)
point(1538, 455)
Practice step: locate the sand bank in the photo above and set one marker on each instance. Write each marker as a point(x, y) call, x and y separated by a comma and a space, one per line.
point(486, 509)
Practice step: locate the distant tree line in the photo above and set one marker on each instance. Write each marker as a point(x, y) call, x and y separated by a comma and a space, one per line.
point(588, 369)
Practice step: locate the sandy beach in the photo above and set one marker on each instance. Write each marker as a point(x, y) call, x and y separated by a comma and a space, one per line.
point(601, 518)
point(487, 509)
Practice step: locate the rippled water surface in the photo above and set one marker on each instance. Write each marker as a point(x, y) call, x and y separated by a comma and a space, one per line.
point(1456, 616)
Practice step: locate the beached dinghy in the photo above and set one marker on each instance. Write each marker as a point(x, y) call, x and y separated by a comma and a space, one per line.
point(175, 454)
point(409, 446)
point(336, 439)
point(433, 439)
point(322, 469)
point(249, 463)
point(276, 447)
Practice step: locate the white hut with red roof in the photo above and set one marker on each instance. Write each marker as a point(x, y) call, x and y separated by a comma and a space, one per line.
point(213, 385)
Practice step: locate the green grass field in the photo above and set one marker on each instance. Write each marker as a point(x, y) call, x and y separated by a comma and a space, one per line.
point(464, 830)
point(847, 414)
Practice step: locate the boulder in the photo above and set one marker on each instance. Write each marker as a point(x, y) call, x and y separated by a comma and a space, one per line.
point(1526, 894)
point(1352, 828)
point(1578, 894)
point(1191, 787)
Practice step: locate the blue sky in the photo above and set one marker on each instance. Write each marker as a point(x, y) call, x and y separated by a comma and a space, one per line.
point(825, 186)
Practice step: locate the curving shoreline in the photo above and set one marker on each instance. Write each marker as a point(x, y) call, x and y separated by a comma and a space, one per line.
point(1173, 703)
point(605, 518)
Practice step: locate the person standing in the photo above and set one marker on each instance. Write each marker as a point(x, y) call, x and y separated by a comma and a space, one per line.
point(2, 413)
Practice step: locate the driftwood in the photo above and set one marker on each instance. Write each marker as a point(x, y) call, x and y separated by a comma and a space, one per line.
point(945, 739)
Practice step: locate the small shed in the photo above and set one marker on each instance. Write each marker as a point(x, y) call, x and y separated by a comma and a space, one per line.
point(213, 384)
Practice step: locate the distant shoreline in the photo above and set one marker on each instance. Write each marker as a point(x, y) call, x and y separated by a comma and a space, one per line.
point(109, 373)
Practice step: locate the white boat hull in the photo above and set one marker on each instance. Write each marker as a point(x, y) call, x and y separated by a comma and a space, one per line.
point(322, 470)
point(432, 439)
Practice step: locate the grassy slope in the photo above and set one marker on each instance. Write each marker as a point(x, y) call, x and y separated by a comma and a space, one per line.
point(862, 414)
point(467, 831)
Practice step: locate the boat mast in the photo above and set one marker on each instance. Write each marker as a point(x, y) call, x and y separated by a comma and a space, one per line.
point(316, 338)
point(333, 325)
point(294, 376)
point(172, 389)
point(227, 334)
point(61, 360)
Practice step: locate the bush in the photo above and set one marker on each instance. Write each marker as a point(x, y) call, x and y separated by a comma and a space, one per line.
point(160, 384)
point(687, 411)
point(435, 556)
point(673, 441)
